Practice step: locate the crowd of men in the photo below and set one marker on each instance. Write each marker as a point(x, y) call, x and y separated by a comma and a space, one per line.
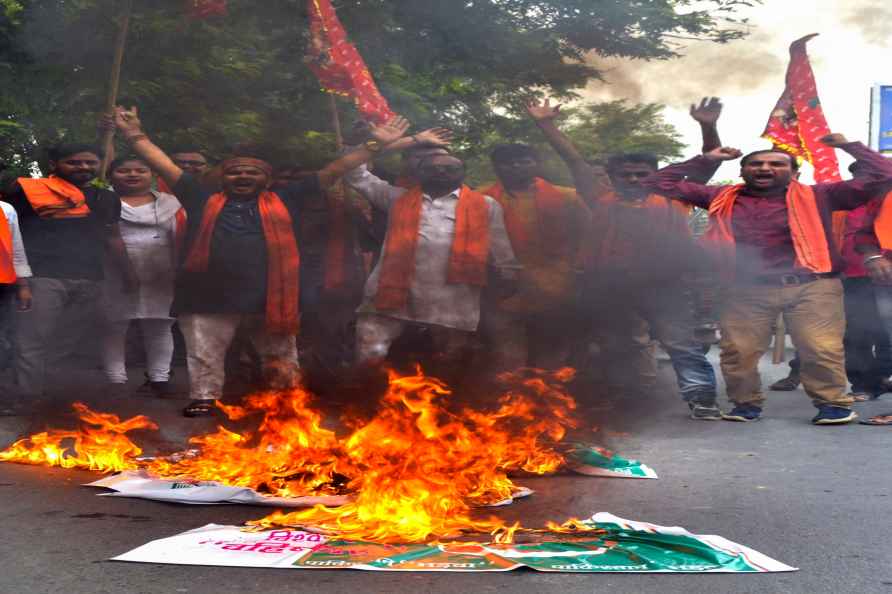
point(280, 263)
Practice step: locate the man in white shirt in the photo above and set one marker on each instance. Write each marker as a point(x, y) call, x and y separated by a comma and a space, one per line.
point(442, 240)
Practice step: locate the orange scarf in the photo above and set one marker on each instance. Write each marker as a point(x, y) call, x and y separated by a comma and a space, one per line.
point(7, 271)
point(467, 261)
point(670, 216)
point(551, 213)
point(806, 228)
point(882, 225)
point(55, 198)
point(283, 259)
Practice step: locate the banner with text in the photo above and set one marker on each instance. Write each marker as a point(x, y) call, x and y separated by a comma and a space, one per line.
point(614, 545)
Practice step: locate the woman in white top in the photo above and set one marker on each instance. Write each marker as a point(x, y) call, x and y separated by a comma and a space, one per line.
point(14, 275)
point(151, 223)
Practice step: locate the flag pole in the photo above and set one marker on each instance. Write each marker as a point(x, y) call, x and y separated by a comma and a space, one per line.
point(335, 121)
point(108, 136)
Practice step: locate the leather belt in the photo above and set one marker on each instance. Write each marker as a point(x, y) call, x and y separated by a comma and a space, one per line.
point(791, 280)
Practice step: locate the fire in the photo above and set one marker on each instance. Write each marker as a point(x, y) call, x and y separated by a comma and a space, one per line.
point(100, 444)
point(418, 470)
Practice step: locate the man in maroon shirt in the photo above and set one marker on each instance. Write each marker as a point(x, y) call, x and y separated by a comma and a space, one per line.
point(770, 268)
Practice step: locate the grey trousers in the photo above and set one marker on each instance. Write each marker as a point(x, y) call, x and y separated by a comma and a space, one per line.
point(208, 337)
point(62, 311)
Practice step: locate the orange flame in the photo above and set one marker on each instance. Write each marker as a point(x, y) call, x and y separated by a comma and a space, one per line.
point(417, 470)
point(100, 444)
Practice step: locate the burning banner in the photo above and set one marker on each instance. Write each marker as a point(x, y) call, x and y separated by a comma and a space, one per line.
point(338, 64)
point(394, 494)
point(416, 470)
point(604, 543)
point(797, 122)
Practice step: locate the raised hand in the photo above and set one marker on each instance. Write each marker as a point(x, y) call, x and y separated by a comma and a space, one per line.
point(724, 153)
point(393, 130)
point(545, 111)
point(127, 121)
point(708, 111)
point(434, 136)
point(834, 139)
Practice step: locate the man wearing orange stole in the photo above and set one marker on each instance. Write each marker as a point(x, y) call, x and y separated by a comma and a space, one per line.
point(443, 243)
point(545, 223)
point(242, 260)
point(773, 242)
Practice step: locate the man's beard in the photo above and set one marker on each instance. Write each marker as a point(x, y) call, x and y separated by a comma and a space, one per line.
point(437, 189)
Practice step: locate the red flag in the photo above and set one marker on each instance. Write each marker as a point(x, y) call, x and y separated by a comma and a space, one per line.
point(338, 65)
point(202, 9)
point(797, 121)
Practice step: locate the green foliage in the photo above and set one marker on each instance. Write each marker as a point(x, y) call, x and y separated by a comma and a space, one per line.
point(598, 129)
point(469, 65)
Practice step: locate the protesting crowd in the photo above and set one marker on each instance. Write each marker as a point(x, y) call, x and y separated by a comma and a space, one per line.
point(284, 268)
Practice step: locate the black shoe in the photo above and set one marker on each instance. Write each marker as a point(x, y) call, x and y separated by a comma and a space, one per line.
point(743, 413)
point(834, 415)
point(788, 384)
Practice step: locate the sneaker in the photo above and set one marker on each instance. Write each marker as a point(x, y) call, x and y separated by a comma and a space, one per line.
point(788, 384)
point(705, 411)
point(743, 413)
point(834, 415)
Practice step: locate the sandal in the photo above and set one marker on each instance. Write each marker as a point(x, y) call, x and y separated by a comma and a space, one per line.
point(200, 408)
point(885, 419)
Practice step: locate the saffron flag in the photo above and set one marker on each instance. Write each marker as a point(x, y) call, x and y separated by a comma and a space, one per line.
point(338, 65)
point(202, 9)
point(797, 122)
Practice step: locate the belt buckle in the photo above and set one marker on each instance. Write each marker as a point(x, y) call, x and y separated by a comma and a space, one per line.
point(790, 280)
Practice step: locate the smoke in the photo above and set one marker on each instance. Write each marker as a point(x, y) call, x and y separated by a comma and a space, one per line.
point(704, 69)
point(871, 18)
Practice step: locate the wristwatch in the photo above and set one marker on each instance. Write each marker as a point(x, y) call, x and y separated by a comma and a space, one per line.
point(372, 146)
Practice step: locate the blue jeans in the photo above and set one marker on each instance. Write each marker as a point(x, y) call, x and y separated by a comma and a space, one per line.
point(627, 328)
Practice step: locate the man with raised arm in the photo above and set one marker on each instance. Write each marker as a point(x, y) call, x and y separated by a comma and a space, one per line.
point(443, 239)
point(772, 239)
point(545, 223)
point(241, 258)
point(638, 259)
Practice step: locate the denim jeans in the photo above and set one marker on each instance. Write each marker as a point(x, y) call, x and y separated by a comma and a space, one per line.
point(626, 329)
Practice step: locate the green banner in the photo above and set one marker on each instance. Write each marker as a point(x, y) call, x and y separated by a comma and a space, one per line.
point(617, 546)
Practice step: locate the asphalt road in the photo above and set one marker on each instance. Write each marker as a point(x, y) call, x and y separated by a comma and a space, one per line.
point(817, 498)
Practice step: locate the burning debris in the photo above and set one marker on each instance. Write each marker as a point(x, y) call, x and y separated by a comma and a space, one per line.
point(415, 471)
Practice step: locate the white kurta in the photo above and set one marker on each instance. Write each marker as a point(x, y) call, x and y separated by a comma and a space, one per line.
point(432, 300)
point(149, 234)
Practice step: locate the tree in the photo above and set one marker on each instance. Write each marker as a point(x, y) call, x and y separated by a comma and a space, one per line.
point(469, 65)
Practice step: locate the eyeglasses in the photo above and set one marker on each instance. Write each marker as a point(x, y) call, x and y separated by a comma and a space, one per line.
point(182, 163)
